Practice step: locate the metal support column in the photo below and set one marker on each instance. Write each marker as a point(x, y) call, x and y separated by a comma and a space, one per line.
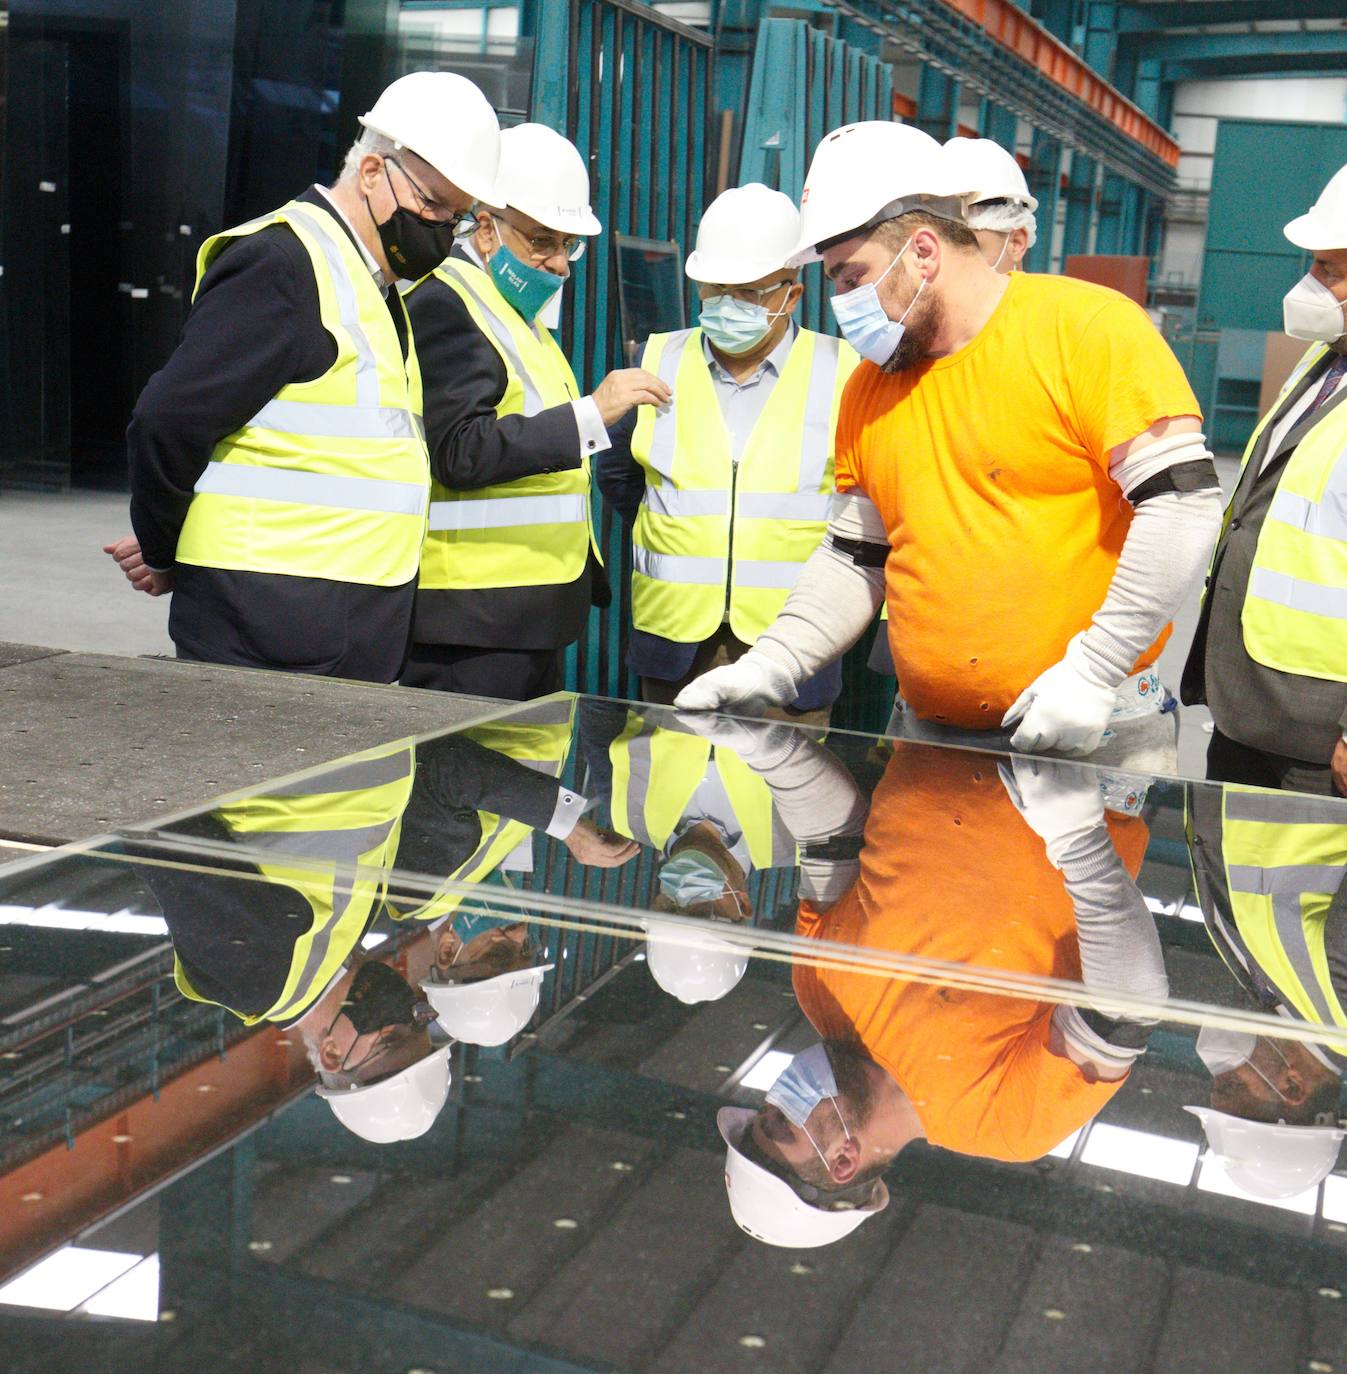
point(999, 124)
point(1045, 180)
point(938, 104)
point(1079, 205)
point(1110, 236)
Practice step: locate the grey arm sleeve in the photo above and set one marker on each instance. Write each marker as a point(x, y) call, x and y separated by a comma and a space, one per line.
point(1119, 951)
point(1165, 552)
point(839, 590)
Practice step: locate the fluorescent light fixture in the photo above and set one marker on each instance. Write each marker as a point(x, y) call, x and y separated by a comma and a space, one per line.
point(1214, 1179)
point(372, 940)
point(124, 922)
point(1063, 1151)
point(1335, 1198)
point(1140, 1153)
point(61, 1282)
point(134, 1296)
point(766, 1071)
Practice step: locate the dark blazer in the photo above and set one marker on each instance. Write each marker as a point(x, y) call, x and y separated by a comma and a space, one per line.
point(1288, 714)
point(254, 327)
point(463, 379)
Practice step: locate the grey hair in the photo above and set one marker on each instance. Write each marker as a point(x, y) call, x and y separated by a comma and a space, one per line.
point(368, 143)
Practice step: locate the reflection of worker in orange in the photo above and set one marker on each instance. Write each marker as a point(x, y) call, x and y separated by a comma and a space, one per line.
point(951, 869)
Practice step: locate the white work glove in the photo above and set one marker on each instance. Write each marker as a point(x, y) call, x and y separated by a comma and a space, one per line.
point(761, 744)
point(1066, 707)
point(1060, 802)
point(748, 686)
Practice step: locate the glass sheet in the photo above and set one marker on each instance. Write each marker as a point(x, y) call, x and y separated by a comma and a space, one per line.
point(564, 975)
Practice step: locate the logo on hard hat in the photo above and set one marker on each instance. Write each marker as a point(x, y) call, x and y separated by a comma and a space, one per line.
point(805, 195)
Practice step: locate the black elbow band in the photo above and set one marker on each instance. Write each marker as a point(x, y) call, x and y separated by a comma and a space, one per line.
point(1126, 1035)
point(836, 849)
point(1199, 475)
point(861, 553)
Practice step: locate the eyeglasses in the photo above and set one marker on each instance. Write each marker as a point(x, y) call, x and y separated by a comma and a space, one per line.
point(464, 222)
point(544, 246)
point(751, 295)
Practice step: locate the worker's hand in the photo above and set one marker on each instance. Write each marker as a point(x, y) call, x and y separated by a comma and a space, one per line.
point(761, 744)
point(748, 687)
point(1065, 708)
point(599, 848)
point(1060, 802)
point(627, 387)
point(1339, 766)
point(125, 552)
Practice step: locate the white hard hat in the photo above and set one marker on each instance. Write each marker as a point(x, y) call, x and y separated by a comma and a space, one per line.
point(1325, 224)
point(864, 173)
point(446, 121)
point(746, 232)
point(488, 1012)
point(398, 1108)
point(768, 1208)
point(694, 967)
point(983, 170)
point(1270, 1160)
point(543, 174)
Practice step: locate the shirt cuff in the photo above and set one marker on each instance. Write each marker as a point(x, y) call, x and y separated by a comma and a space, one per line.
point(570, 807)
point(593, 435)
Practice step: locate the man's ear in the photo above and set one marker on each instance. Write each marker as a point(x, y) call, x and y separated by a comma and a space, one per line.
point(329, 1054)
point(844, 1161)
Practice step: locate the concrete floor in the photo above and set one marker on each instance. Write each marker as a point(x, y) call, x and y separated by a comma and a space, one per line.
point(58, 588)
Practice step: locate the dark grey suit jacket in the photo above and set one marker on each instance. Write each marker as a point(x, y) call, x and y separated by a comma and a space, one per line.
point(1282, 713)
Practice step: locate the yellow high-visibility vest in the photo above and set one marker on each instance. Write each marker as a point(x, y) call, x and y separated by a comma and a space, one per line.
point(1285, 859)
point(539, 737)
point(709, 529)
point(1294, 616)
point(346, 822)
point(535, 531)
point(655, 773)
point(330, 478)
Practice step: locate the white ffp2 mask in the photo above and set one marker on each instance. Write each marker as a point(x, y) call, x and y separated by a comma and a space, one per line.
point(1310, 311)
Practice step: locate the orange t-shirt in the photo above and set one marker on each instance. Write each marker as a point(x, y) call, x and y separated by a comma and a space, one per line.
point(950, 871)
point(990, 469)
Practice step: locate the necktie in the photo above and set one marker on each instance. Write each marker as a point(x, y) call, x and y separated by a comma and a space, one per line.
point(1331, 379)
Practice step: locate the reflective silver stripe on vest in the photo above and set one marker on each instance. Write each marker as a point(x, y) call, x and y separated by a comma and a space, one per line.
point(695, 572)
point(329, 846)
point(640, 763)
point(1285, 808)
point(350, 777)
point(816, 435)
point(338, 422)
point(669, 500)
point(508, 511)
point(664, 435)
point(1285, 885)
point(760, 572)
point(533, 402)
point(1311, 597)
point(785, 505)
point(312, 488)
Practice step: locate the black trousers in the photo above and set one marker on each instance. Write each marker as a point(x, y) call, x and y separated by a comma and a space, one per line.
point(1230, 761)
point(510, 674)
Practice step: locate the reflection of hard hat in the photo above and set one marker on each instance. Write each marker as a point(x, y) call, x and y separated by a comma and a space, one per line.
point(1324, 225)
point(694, 967)
point(982, 169)
point(490, 1011)
point(767, 1207)
point(398, 1108)
point(543, 175)
point(746, 233)
point(1270, 1160)
point(862, 173)
point(446, 121)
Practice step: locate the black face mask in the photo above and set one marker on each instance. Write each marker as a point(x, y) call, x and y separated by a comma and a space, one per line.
point(413, 246)
point(379, 996)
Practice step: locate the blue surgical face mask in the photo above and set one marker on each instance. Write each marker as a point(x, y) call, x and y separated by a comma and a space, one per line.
point(863, 320)
point(691, 878)
point(801, 1086)
point(735, 326)
point(526, 287)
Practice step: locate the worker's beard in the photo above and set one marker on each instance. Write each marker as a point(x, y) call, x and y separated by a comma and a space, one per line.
point(921, 329)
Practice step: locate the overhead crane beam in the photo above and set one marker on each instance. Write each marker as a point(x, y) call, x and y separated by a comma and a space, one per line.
point(1180, 14)
point(1288, 64)
point(996, 51)
point(1198, 47)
